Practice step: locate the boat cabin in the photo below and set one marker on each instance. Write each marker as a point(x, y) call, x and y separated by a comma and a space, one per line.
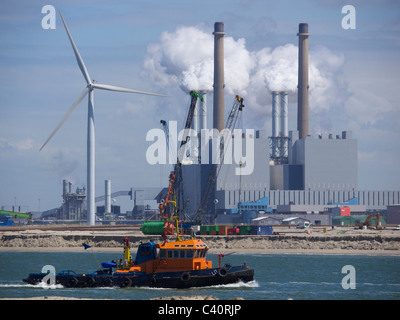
point(183, 255)
point(169, 256)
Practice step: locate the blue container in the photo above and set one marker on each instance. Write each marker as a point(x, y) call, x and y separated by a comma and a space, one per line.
point(8, 223)
point(264, 230)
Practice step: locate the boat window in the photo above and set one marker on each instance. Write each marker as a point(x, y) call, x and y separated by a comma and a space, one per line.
point(203, 253)
point(169, 254)
point(182, 254)
point(197, 254)
point(176, 254)
point(163, 254)
point(189, 254)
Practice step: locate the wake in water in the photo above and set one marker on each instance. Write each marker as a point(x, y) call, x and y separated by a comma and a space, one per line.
point(45, 286)
point(240, 284)
point(40, 285)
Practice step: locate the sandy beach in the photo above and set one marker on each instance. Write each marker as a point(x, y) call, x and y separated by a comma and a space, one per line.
point(341, 240)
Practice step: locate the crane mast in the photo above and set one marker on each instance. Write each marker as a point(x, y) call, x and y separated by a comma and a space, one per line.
point(209, 189)
point(174, 203)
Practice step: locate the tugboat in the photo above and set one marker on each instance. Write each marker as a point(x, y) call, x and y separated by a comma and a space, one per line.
point(176, 264)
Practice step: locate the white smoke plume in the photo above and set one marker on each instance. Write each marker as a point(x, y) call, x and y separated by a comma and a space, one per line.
point(185, 58)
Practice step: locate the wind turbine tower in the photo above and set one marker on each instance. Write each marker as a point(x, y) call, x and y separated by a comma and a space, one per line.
point(89, 90)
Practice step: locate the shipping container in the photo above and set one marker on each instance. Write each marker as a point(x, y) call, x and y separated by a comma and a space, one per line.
point(204, 230)
point(213, 228)
point(345, 211)
point(233, 231)
point(264, 230)
point(222, 230)
point(153, 227)
point(244, 230)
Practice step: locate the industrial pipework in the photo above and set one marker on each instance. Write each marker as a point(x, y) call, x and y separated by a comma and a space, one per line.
point(280, 132)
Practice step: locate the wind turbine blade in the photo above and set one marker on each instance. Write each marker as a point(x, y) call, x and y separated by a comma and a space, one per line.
point(71, 109)
point(122, 89)
point(77, 55)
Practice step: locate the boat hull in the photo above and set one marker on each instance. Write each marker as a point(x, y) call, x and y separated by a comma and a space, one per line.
point(177, 279)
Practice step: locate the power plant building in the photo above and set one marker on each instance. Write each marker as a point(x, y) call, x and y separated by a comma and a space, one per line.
point(232, 185)
point(318, 164)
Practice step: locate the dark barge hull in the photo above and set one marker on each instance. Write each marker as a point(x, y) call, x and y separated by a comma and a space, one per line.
point(180, 279)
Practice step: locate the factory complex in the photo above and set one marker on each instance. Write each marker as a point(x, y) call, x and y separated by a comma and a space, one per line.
point(285, 177)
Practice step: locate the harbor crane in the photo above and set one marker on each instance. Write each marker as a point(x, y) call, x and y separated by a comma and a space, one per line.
point(209, 189)
point(174, 203)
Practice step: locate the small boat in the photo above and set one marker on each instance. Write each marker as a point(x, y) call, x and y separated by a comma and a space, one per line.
point(175, 264)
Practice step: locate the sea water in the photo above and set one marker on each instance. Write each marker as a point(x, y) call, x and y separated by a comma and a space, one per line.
point(277, 276)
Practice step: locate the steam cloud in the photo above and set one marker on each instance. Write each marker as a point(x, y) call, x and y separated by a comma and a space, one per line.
point(185, 58)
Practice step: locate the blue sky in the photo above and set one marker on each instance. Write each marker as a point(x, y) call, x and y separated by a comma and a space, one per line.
point(39, 80)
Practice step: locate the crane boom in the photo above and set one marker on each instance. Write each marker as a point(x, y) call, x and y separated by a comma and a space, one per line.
point(215, 168)
point(16, 214)
point(178, 167)
point(175, 199)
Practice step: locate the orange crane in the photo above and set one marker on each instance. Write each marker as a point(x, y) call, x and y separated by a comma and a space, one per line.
point(168, 206)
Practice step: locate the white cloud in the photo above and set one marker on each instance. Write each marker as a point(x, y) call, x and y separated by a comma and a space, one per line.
point(18, 145)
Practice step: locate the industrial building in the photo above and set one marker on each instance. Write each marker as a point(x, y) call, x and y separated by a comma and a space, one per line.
point(74, 206)
point(317, 164)
point(393, 214)
point(282, 178)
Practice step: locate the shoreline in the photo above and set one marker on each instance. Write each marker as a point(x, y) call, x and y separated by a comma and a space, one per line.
point(337, 241)
point(217, 251)
point(225, 251)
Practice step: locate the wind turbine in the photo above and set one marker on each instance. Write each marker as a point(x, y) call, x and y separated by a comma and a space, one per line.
point(90, 86)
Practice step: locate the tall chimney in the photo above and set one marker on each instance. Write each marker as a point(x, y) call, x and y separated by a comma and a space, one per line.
point(302, 98)
point(284, 132)
point(219, 103)
point(65, 187)
point(107, 204)
point(275, 123)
